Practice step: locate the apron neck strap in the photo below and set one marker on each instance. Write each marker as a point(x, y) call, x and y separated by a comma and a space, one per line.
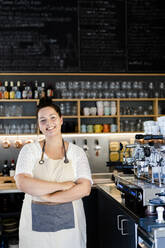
point(42, 156)
point(66, 159)
point(43, 151)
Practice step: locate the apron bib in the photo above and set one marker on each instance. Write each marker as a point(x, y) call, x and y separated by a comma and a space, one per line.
point(52, 217)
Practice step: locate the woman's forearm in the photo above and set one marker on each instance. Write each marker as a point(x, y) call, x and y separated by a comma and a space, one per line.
point(78, 191)
point(37, 187)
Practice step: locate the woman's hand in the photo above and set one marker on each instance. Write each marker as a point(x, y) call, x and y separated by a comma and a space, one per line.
point(82, 188)
point(67, 185)
point(45, 197)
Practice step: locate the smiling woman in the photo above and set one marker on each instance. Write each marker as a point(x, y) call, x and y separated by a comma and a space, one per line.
point(49, 121)
point(55, 175)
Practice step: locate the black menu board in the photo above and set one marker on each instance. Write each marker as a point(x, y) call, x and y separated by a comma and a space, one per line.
point(38, 35)
point(146, 35)
point(82, 36)
point(102, 35)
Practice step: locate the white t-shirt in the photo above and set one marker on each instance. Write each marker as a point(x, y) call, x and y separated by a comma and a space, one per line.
point(31, 153)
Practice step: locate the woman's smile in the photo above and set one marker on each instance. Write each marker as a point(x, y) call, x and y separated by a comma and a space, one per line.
point(49, 121)
point(51, 128)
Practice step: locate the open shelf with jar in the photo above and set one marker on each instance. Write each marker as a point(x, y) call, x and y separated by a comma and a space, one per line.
point(133, 112)
point(18, 116)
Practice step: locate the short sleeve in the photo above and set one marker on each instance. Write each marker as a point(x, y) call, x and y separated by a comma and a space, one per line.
point(81, 164)
point(26, 160)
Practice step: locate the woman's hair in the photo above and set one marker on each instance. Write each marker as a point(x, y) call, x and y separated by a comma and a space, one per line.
point(47, 102)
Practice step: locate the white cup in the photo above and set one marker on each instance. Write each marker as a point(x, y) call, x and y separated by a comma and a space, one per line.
point(113, 110)
point(113, 128)
point(100, 111)
point(113, 104)
point(106, 104)
point(155, 130)
point(147, 130)
point(93, 110)
point(83, 128)
point(99, 104)
point(106, 110)
point(86, 111)
point(162, 130)
point(12, 173)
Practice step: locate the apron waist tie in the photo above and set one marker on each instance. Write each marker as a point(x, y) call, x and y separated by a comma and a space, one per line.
point(46, 203)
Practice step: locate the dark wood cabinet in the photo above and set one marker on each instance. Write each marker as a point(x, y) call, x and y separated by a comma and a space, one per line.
point(10, 209)
point(91, 212)
point(116, 227)
point(108, 224)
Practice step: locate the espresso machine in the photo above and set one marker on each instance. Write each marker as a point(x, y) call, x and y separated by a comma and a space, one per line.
point(143, 191)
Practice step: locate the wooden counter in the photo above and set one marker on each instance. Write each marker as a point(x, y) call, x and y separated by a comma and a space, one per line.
point(7, 185)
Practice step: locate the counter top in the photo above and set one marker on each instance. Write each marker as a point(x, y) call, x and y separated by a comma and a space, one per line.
point(113, 192)
point(110, 189)
point(7, 185)
point(99, 178)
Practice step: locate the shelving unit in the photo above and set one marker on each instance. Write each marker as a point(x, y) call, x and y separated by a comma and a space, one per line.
point(80, 103)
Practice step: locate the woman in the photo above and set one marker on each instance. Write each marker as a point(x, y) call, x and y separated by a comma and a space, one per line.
point(55, 175)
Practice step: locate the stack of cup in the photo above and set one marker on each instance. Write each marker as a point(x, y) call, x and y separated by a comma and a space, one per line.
point(151, 127)
point(83, 128)
point(113, 128)
point(86, 111)
point(106, 108)
point(113, 107)
point(161, 123)
point(93, 110)
point(106, 128)
point(100, 107)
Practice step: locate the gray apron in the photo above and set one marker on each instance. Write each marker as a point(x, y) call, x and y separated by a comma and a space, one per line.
point(46, 216)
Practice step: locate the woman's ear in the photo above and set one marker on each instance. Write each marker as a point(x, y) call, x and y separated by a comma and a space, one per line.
point(61, 121)
point(38, 127)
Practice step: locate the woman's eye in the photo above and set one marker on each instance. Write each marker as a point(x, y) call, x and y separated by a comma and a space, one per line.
point(42, 121)
point(53, 117)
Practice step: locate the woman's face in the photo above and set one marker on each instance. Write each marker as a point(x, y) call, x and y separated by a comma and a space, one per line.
point(49, 121)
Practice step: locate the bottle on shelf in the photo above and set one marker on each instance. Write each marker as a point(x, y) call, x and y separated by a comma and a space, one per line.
point(42, 92)
point(18, 91)
point(24, 91)
point(1, 90)
point(12, 169)
point(5, 169)
point(49, 91)
point(12, 90)
point(6, 91)
point(162, 89)
point(151, 89)
point(35, 90)
point(39, 89)
point(29, 92)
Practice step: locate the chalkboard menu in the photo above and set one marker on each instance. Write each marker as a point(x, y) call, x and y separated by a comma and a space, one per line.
point(102, 35)
point(38, 35)
point(82, 36)
point(146, 35)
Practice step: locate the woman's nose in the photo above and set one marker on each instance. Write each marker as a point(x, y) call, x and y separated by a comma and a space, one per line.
point(48, 123)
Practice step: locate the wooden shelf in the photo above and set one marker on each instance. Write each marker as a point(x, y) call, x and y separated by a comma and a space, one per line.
point(84, 102)
point(98, 116)
point(137, 116)
point(19, 100)
point(70, 116)
point(17, 117)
